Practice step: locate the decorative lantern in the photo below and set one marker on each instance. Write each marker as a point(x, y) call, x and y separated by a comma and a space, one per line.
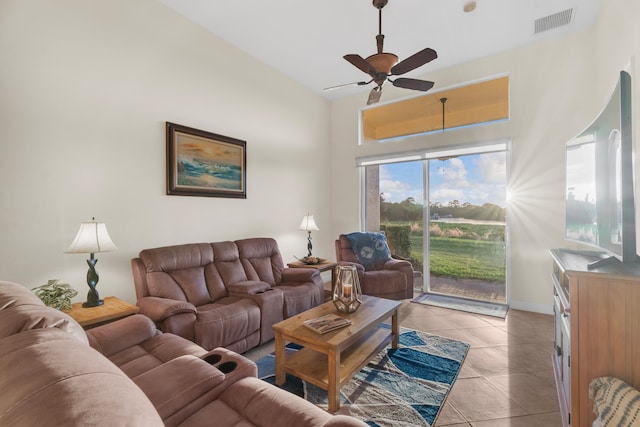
point(347, 295)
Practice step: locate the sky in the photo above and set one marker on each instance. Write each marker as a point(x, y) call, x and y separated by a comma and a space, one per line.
point(477, 179)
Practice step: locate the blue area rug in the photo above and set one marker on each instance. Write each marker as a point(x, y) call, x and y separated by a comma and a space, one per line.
point(463, 304)
point(402, 387)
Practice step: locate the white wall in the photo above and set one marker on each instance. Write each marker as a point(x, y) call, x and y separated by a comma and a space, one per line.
point(85, 90)
point(556, 89)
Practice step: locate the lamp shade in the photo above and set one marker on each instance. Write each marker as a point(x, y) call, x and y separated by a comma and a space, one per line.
point(92, 238)
point(308, 224)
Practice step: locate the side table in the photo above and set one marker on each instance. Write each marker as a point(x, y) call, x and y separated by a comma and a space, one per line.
point(112, 309)
point(323, 266)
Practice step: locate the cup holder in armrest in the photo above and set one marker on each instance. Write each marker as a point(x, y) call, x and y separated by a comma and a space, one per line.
point(227, 367)
point(231, 364)
point(213, 358)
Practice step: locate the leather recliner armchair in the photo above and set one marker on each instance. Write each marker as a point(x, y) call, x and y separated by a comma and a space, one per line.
point(380, 276)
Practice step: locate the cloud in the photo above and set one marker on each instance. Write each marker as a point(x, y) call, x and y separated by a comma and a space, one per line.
point(492, 167)
point(397, 191)
point(476, 179)
point(445, 195)
point(454, 174)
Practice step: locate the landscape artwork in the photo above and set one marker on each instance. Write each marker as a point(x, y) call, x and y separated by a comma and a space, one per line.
point(201, 163)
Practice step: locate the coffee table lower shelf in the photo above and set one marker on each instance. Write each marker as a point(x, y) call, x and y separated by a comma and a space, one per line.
point(330, 360)
point(312, 366)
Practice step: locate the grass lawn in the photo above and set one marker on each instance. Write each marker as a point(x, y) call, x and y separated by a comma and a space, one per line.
point(463, 258)
point(468, 259)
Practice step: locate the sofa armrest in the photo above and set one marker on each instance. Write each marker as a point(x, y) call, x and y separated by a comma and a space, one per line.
point(177, 383)
point(263, 405)
point(358, 267)
point(344, 421)
point(124, 333)
point(397, 264)
point(249, 287)
point(233, 365)
point(159, 309)
point(300, 275)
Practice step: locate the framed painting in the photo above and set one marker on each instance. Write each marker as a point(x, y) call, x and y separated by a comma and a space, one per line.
point(206, 164)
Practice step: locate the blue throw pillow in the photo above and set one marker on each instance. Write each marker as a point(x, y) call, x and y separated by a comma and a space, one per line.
point(371, 249)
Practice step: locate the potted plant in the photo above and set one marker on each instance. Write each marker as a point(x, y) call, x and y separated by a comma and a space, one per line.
point(56, 295)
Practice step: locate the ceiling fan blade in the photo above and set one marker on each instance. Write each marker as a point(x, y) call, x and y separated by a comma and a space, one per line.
point(361, 63)
point(414, 61)
point(374, 95)
point(347, 85)
point(415, 84)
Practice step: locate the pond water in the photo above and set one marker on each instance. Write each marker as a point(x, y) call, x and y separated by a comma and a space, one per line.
point(467, 221)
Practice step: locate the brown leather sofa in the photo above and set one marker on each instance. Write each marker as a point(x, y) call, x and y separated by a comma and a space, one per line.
point(130, 375)
point(223, 294)
point(385, 278)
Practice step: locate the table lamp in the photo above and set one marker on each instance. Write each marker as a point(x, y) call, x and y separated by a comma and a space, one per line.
point(308, 225)
point(91, 239)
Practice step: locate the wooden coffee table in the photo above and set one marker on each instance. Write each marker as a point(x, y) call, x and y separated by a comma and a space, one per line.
point(332, 359)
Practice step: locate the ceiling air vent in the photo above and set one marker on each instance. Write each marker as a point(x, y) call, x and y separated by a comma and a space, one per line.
point(553, 21)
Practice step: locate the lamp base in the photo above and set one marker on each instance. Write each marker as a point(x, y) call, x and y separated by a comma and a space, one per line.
point(90, 304)
point(309, 245)
point(93, 298)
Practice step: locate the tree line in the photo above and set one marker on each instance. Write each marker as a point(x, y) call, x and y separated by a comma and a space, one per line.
point(409, 210)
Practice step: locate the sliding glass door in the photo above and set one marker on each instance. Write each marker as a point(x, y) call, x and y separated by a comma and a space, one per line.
point(446, 214)
point(467, 225)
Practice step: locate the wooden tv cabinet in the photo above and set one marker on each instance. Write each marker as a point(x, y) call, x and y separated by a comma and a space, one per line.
point(597, 328)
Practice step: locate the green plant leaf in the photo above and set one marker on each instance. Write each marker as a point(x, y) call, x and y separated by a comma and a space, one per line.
point(56, 295)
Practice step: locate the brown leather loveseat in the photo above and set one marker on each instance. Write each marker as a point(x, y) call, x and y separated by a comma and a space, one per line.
point(223, 294)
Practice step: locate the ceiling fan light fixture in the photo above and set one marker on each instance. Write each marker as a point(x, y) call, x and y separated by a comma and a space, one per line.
point(469, 6)
point(383, 62)
point(379, 4)
point(374, 95)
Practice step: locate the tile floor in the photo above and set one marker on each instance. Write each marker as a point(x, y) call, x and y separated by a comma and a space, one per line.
point(507, 377)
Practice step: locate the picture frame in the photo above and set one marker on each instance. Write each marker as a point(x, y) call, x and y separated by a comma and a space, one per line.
point(201, 163)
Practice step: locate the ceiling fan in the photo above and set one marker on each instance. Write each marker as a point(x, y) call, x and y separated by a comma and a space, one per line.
point(382, 65)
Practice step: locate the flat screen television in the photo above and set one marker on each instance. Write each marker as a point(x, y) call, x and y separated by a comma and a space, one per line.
point(600, 209)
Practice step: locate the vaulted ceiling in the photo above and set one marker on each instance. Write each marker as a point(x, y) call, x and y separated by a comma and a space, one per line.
point(306, 40)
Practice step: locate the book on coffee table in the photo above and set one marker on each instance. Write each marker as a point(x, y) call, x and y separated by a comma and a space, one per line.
point(327, 323)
